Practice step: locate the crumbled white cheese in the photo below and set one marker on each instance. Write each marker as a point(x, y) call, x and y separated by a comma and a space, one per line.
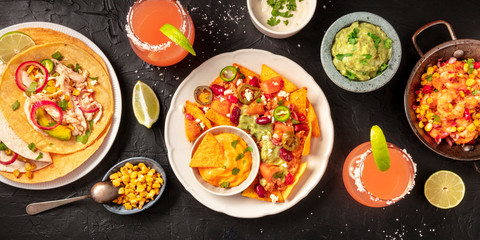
point(274, 198)
point(284, 165)
point(275, 83)
point(239, 81)
point(222, 99)
point(275, 135)
point(229, 91)
point(283, 94)
point(197, 120)
point(248, 95)
point(275, 99)
point(265, 138)
point(205, 109)
point(270, 151)
point(202, 125)
point(93, 82)
point(228, 114)
point(182, 108)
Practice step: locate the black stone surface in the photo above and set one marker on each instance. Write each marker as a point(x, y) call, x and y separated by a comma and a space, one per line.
point(328, 212)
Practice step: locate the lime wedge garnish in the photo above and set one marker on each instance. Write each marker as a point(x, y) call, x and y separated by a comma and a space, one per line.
point(444, 189)
point(379, 148)
point(13, 43)
point(145, 104)
point(177, 36)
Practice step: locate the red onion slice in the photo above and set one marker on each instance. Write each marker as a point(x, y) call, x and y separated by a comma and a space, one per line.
point(14, 158)
point(23, 66)
point(41, 104)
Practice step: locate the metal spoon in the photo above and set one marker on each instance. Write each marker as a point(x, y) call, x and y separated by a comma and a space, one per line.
point(101, 192)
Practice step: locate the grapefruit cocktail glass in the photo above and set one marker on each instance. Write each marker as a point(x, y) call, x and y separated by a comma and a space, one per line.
point(372, 187)
point(144, 21)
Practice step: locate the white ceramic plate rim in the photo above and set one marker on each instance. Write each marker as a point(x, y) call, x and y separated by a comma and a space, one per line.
point(178, 145)
point(97, 157)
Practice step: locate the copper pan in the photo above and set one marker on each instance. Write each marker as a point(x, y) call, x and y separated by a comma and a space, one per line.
point(459, 48)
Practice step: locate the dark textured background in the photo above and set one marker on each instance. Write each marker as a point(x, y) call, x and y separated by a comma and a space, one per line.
point(328, 212)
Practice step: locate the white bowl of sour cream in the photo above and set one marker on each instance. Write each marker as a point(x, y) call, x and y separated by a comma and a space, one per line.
point(286, 22)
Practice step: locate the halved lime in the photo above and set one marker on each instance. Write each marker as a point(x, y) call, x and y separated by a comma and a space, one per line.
point(379, 148)
point(13, 43)
point(177, 36)
point(444, 189)
point(146, 106)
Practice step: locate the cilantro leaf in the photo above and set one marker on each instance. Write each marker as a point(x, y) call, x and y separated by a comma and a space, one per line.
point(51, 124)
point(31, 146)
point(93, 78)
point(235, 171)
point(3, 147)
point(476, 92)
point(63, 104)
point(273, 21)
point(40, 156)
point(234, 143)
point(77, 67)
point(15, 105)
point(436, 119)
point(248, 149)
point(388, 43)
point(31, 89)
point(363, 62)
point(341, 56)
point(57, 56)
point(429, 77)
point(239, 156)
point(286, 22)
point(278, 174)
point(225, 184)
point(351, 75)
point(352, 38)
point(382, 68)
point(367, 56)
point(376, 39)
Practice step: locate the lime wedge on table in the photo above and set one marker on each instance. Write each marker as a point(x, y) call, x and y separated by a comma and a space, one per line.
point(12, 43)
point(177, 36)
point(379, 148)
point(145, 104)
point(444, 189)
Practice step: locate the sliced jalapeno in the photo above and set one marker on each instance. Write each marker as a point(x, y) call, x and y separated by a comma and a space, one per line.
point(281, 113)
point(48, 64)
point(228, 73)
point(248, 93)
point(203, 95)
point(290, 141)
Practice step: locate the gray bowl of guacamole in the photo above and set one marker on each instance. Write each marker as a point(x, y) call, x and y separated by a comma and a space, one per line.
point(361, 52)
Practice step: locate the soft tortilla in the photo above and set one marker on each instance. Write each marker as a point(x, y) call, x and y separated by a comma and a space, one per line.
point(18, 120)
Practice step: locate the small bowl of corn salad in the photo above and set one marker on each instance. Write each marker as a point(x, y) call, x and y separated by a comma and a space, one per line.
point(141, 183)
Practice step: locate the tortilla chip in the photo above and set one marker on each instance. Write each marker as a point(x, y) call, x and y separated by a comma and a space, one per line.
point(300, 171)
point(217, 118)
point(209, 153)
point(299, 98)
point(250, 193)
point(197, 113)
point(306, 144)
point(62, 164)
point(268, 73)
point(217, 81)
point(312, 118)
point(247, 72)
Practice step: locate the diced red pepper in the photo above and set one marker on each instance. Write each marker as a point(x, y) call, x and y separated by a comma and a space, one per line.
point(467, 114)
point(289, 179)
point(414, 107)
point(427, 89)
point(189, 116)
point(476, 65)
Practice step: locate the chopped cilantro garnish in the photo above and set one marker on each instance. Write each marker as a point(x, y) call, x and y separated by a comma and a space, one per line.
point(376, 39)
point(57, 56)
point(15, 105)
point(341, 56)
point(3, 147)
point(239, 156)
point(31, 89)
point(367, 56)
point(295, 121)
point(382, 68)
point(436, 119)
point(224, 167)
point(363, 62)
point(352, 38)
point(70, 65)
point(259, 100)
point(63, 104)
point(273, 21)
point(84, 138)
point(278, 174)
point(225, 184)
point(351, 75)
point(248, 149)
point(77, 67)
point(429, 77)
point(234, 143)
point(476, 92)
point(286, 22)
point(388, 43)
point(235, 171)
point(91, 124)
point(93, 78)
point(280, 102)
point(31, 146)
point(470, 62)
point(40, 156)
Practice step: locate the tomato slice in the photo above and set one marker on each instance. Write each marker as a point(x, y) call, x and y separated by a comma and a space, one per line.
point(267, 171)
point(272, 85)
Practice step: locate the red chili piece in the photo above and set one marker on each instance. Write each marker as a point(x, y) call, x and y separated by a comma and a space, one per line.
point(301, 117)
point(427, 89)
point(189, 116)
point(300, 127)
point(467, 114)
point(289, 179)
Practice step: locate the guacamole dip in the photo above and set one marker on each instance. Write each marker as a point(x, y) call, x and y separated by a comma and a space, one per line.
point(361, 51)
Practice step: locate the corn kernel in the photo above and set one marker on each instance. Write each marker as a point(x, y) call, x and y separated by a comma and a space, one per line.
point(30, 69)
point(8, 152)
point(133, 175)
point(125, 179)
point(424, 107)
point(429, 100)
point(129, 165)
point(30, 166)
point(51, 83)
point(127, 206)
point(160, 179)
point(66, 97)
point(476, 122)
point(471, 127)
point(428, 127)
point(460, 129)
point(423, 82)
point(421, 125)
point(156, 185)
point(462, 94)
point(430, 70)
point(470, 81)
point(417, 110)
point(116, 182)
point(450, 106)
point(424, 77)
point(453, 129)
point(113, 176)
point(436, 75)
point(69, 104)
point(151, 172)
point(28, 174)
point(465, 67)
point(121, 191)
point(16, 173)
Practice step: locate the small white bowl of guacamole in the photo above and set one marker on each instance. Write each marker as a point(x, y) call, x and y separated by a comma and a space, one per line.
point(361, 52)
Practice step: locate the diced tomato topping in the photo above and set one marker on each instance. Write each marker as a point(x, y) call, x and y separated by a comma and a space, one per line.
point(267, 96)
point(268, 170)
point(282, 127)
point(221, 106)
point(467, 114)
point(255, 108)
point(476, 65)
point(289, 179)
point(232, 98)
point(189, 116)
point(273, 85)
point(427, 89)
